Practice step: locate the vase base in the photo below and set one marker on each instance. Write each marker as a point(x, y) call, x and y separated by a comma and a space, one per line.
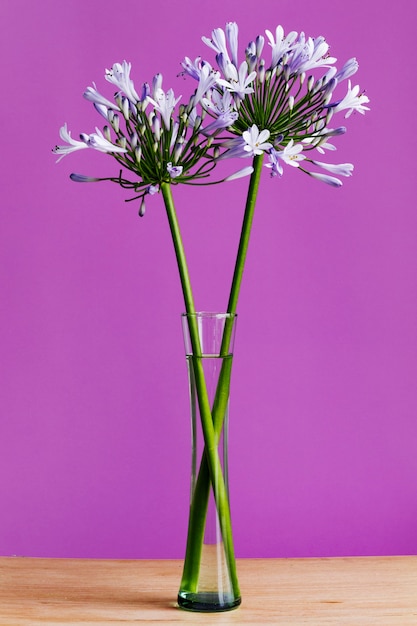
point(207, 602)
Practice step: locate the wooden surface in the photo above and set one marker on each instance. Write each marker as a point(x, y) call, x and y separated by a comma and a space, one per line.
point(345, 591)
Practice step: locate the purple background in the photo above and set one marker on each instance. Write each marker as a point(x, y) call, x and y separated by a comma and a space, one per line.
point(94, 427)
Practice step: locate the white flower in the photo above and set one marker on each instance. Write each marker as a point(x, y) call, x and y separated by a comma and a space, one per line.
point(289, 155)
point(219, 103)
point(255, 141)
point(164, 103)
point(235, 149)
point(310, 54)
point(280, 44)
point(352, 102)
point(238, 82)
point(119, 75)
point(218, 42)
point(94, 96)
point(193, 68)
point(99, 142)
point(350, 67)
point(207, 79)
point(74, 145)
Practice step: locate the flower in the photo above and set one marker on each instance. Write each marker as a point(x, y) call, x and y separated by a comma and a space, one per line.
point(352, 102)
point(308, 55)
point(289, 155)
point(119, 75)
point(165, 104)
point(276, 96)
point(74, 145)
point(94, 96)
point(255, 141)
point(280, 45)
point(343, 169)
point(174, 170)
point(99, 142)
point(238, 81)
point(207, 79)
point(153, 136)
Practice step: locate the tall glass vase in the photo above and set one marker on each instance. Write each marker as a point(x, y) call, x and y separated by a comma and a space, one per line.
point(209, 582)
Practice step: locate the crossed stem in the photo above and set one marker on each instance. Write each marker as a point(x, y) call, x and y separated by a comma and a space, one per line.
point(201, 493)
point(210, 472)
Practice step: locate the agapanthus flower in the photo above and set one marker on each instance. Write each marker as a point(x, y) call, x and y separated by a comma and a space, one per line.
point(351, 102)
point(309, 54)
point(73, 144)
point(276, 95)
point(95, 97)
point(165, 103)
point(218, 103)
point(238, 80)
point(341, 169)
point(174, 170)
point(119, 75)
point(291, 155)
point(256, 140)
point(153, 136)
point(280, 44)
point(207, 79)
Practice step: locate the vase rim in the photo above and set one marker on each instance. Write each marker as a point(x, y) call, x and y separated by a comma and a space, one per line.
point(210, 314)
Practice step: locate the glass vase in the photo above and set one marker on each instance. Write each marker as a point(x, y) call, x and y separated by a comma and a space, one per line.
point(209, 581)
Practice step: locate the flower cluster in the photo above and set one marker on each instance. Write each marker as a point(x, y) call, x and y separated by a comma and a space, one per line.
point(244, 108)
point(284, 110)
point(148, 134)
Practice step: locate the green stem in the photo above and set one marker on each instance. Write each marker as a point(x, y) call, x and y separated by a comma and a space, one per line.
point(179, 253)
point(242, 250)
point(245, 233)
point(199, 503)
point(202, 488)
point(210, 438)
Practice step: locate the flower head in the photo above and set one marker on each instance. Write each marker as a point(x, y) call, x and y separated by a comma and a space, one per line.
point(243, 108)
point(151, 134)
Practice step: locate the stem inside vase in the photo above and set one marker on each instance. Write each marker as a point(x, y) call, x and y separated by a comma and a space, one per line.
point(209, 581)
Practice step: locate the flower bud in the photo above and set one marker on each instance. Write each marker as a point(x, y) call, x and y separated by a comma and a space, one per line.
point(138, 154)
point(142, 208)
point(134, 141)
point(106, 133)
point(125, 108)
point(116, 123)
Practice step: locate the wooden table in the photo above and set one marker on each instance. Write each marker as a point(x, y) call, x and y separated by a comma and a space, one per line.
point(380, 591)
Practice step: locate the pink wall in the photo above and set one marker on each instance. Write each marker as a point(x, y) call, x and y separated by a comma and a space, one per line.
point(94, 432)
